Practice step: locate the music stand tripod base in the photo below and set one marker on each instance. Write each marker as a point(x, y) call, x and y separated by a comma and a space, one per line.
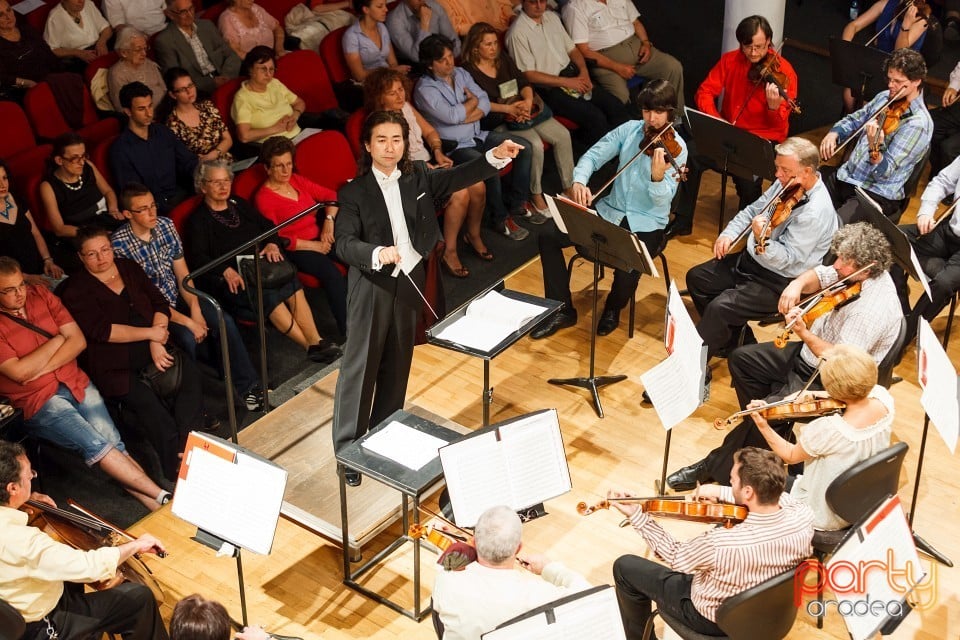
point(593, 384)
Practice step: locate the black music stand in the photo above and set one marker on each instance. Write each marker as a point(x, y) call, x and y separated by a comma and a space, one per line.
point(735, 151)
point(858, 67)
point(903, 253)
point(611, 245)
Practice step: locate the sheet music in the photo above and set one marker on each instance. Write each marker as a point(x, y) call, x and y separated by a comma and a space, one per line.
point(595, 616)
point(26, 6)
point(405, 445)
point(555, 213)
point(938, 379)
point(535, 458)
point(490, 320)
point(477, 475)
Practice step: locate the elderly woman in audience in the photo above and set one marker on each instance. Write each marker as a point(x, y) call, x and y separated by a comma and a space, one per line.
point(244, 25)
point(133, 65)
point(515, 107)
point(124, 318)
point(366, 43)
point(388, 89)
point(283, 195)
point(20, 238)
point(198, 124)
point(263, 106)
point(74, 193)
point(216, 228)
point(25, 57)
point(76, 29)
point(452, 102)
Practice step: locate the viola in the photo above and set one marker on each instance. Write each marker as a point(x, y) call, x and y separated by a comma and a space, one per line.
point(767, 69)
point(789, 198)
point(888, 121)
point(797, 409)
point(664, 138)
point(678, 508)
point(87, 532)
point(827, 303)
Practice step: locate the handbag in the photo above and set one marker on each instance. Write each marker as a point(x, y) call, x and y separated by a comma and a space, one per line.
point(273, 275)
point(538, 114)
point(166, 383)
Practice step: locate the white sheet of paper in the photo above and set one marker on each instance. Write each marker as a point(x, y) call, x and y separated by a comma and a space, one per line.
point(26, 6)
point(476, 476)
point(404, 445)
point(536, 460)
point(938, 379)
point(489, 321)
point(595, 616)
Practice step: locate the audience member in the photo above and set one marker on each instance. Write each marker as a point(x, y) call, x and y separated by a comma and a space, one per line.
point(74, 193)
point(515, 107)
point(198, 125)
point(144, 15)
point(197, 46)
point(25, 57)
point(196, 618)
point(413, 20)
point(609, 32)
point(495, 588)
point(215, 229)
point(549, 59)
point(134, 66)
point(21, 239)
point(244, 25)
point(283, 195)
point(125, 319)
point(39, 374)
point(76, 29)
point(263, 106)
point(464, 14)
point(387, 89)
point(149, 153)
point(452, 102)
point(42, 578)
point(154, 244)
point(366, 43)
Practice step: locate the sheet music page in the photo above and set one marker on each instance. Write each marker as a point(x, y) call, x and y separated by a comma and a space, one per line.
point(476, 475)
point(489, 321)
point(535, 458)
point(885, 544)
point(555, 211)
point(596, 616)
point(938, 379)
point(26, 6)
point(404, 445)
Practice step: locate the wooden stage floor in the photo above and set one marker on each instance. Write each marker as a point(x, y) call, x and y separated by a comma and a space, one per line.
point(297, 590)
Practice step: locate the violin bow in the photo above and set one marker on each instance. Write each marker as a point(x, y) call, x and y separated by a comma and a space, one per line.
point(767, 207)
point(441, 518)
point(906, 6)
point(111, 527)
point(853, 135)
point(810, 301)
point(629, 162)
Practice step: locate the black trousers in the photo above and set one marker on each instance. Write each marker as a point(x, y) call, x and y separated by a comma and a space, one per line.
point(845, 200)
point(730, 292)
point(128, 609)
point(939, 256)
point(596, 117)
point(556, 278)
point(640, 582)
point(759, 371)
point(945, 144)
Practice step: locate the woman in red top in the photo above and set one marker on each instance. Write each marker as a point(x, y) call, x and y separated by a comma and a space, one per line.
point(285, 194)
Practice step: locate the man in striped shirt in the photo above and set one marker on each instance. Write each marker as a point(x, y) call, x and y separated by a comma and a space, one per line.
point(703, 572)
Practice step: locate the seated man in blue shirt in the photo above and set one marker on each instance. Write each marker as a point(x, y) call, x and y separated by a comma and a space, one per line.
point(411, 21)
point(639, 201)
point(148, 153)
point(153, 243)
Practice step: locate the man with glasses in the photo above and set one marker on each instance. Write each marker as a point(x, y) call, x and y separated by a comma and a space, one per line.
point(882, 163)
point(148, 153)
point(755, 106)
point(197, 46)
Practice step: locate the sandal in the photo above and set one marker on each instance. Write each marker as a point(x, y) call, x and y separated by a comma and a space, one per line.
point(460, 272)
point(485, 255)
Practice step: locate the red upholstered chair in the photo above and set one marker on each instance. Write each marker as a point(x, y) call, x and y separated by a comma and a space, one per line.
point(331, 50)
point(100, 157)
point(246, 183)
point(353, 129)
point(213, 13)
point(327, 159)
point(31, 191)
point(27, 165)
point(278, 8)
point(38, 17)
point(182, 211)
point(102, 62)
point(17, 135)
point(303, 73)
point(222, 99)
point(48, 122)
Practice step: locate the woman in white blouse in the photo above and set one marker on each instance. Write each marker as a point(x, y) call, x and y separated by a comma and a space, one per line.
point(76, 29)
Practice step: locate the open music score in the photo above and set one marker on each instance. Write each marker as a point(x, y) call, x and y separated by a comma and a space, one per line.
point(489, 320)
point(592, 613)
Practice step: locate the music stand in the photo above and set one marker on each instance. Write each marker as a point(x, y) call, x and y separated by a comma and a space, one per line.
point(611, 245)
point(854, 65)
point(735, 151)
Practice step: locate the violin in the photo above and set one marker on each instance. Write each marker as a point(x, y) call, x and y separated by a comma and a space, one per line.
point(888, 121)
point(788, 198)
point(822, 306)
point(797, 409)
point(767, 69)
point(666, 139)
point(678, 508)
point(87, 532)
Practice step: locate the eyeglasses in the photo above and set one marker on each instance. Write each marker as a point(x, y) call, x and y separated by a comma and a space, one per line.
point(142, 49)
point(106, 251)
point(282, 165)
point(150, 207)
point(77, 158)
point(754, 48)
point(265, 69)
point(12, 290)
point(222, 182)
point(185, 88)
point(181, 12)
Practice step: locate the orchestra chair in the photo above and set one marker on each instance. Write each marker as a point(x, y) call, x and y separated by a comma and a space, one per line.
point(953, 308)
point(885, 368)
point(763, 612)
point(854, 494)
point(12, 625)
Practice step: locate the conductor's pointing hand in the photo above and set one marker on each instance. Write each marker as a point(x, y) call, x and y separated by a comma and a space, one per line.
point(507, 149)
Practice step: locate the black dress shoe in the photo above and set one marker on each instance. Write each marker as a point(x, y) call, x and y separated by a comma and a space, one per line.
point(324, 352)
point(352, 478)
point(687, 478)
point(609, 321)
point(556, 322)
point(675, 229)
